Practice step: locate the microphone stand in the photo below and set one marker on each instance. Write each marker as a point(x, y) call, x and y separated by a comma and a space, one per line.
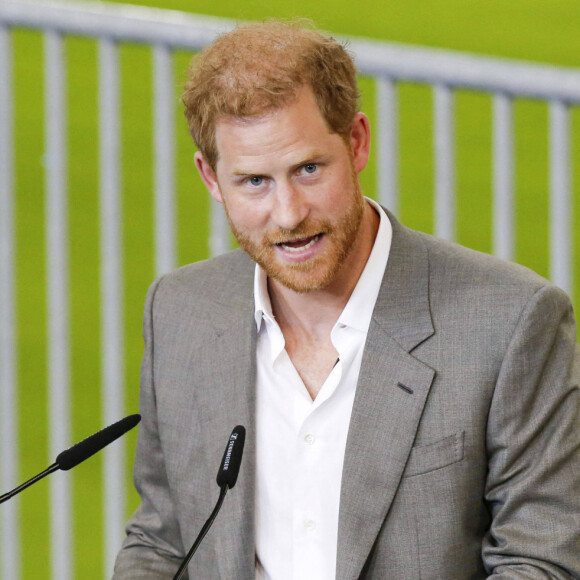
point(54, 467)
point(223, 490)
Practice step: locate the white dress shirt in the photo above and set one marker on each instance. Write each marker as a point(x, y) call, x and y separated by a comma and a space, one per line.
point(300, 442)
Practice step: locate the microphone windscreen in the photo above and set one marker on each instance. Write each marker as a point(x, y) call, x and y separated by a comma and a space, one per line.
point(232, 459)
point(91, 445)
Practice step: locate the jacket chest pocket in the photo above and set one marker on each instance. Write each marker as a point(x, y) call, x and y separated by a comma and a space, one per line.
point(426, 458)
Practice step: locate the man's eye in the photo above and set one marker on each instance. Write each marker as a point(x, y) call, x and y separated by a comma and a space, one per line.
point(310, 167)
point(256, 180)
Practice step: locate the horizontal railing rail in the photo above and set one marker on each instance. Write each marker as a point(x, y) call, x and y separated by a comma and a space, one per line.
point(375, 58)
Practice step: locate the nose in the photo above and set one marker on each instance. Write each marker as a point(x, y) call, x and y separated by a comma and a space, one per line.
point(290, 206)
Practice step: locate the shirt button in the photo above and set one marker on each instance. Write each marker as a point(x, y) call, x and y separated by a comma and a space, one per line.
point(310, 525)
point(309, 439)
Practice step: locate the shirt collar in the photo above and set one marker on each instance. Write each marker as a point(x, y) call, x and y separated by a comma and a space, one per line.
point(262, 304)
point(358, 311)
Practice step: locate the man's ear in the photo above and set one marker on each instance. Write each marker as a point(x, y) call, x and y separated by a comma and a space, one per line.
point(360, 141)
point(208, 176)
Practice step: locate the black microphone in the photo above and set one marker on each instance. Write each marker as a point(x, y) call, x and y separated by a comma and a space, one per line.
point(226, 479)
point(80, 451)
point(232, 459)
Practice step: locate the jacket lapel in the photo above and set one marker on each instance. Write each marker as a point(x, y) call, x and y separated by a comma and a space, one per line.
point(228, 360)
point(391, 393)
point(235, 532)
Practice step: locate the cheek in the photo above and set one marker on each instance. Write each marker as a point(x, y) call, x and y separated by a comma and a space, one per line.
point(246, 217)
point(336, 195)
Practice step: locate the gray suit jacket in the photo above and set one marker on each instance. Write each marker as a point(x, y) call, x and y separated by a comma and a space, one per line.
point(463, 452)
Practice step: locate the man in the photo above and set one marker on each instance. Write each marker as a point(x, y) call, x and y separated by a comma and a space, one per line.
point(412, 406)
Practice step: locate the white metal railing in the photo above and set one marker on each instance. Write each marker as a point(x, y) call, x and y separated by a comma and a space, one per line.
point(10, 549)
point(166, 31)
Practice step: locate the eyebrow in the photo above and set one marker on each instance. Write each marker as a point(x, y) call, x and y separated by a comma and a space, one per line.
point(315, 157)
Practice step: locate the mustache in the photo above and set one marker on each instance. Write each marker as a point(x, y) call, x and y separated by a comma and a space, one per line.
point(300, 232)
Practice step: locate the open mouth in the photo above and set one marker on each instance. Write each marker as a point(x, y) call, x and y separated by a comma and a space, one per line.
point(299, 245)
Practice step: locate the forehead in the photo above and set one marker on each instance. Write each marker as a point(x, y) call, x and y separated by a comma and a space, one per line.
point(283, 134)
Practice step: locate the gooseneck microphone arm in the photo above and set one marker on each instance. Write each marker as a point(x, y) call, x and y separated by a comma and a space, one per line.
point(226, 479)
point(179, 574)
point(54, 467)
point(81, 451)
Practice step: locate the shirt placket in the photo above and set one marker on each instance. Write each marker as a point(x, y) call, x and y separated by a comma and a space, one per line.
point(311, 513)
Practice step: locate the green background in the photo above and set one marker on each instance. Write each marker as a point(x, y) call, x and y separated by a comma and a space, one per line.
point(543, 31)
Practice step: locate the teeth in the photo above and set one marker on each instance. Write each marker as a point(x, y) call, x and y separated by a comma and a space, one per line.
point(300, 248)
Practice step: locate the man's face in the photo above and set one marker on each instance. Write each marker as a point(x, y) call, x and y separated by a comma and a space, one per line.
point(291, 192)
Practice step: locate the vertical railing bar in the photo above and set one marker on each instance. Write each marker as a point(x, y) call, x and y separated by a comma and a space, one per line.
point(112, 316)
point(387, 141)
point(444, 138)
point(561, 241)
point(219, 237)
point(164, 160)
point(58, 301)
point(503, 178)
point(9, 525)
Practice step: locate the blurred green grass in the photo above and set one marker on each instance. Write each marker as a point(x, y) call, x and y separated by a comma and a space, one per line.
point(534, 30)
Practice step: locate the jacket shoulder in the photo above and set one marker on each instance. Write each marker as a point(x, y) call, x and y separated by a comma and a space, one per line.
point(486, 289)
point(212, 291)
point(479, 271)
point(218, 279)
